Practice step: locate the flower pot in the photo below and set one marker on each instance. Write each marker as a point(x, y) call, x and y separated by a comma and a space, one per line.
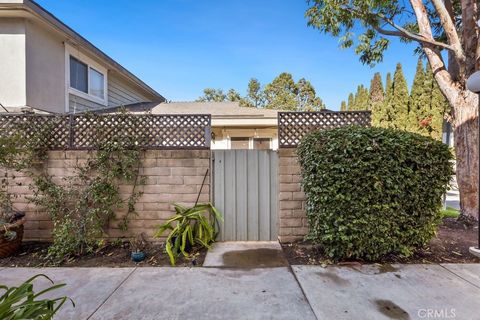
point(10, 246)
point(138, 256)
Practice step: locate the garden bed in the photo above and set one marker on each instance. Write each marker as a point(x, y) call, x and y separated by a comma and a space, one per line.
point(450, 246)
point(33, 254)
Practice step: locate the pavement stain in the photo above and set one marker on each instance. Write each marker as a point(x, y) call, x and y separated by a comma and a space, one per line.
point(334, 278)
point(262, 257)
point(391, 310)
point(386, 268)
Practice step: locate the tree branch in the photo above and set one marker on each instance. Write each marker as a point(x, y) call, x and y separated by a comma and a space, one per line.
point(448, 87)
point(450, 29)
point(400, 31)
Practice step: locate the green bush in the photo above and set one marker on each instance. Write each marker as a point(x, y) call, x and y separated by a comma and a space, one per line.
point(372, 191)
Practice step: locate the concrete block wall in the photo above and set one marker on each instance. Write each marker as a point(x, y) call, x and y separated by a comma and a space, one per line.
point(172, 176)
point(292, 220)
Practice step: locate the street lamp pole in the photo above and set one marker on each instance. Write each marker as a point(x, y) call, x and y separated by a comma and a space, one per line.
point(473, 84)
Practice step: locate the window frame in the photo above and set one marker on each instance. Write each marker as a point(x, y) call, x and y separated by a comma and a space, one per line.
point(91, 64)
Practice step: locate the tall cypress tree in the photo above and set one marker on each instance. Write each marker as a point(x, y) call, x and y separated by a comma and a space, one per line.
point(351, 102)
point(399, 101)
point(343, 106)
point(376, 98)
point(434, 112)
point(385, 115)
point(418, 100)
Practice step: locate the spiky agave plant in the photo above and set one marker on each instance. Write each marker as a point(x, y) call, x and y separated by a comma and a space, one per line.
point(189, 226)
point(23, 303)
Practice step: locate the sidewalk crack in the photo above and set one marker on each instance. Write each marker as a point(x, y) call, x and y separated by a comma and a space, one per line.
point(111, 294)
point(459, 276)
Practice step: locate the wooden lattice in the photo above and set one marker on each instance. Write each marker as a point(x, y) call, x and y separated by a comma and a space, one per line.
point(92, 131)
point(293, 126)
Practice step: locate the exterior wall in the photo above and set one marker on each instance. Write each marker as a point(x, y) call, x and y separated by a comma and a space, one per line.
point(45, 53)
point(121, 93)
point(293, 223)
point(13, 92)
point(32, 64)
point(78, 104)
point(171, 177)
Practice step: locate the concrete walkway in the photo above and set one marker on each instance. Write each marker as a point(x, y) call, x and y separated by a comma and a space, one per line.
point(301, 292)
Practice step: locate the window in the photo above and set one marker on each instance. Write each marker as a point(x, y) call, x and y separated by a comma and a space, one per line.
point(78, 75)
point(85, 78)
point(239, 143)
point(261, 143)
point(96, 83)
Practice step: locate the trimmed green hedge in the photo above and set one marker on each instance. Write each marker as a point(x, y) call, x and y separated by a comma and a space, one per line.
point(372, 191)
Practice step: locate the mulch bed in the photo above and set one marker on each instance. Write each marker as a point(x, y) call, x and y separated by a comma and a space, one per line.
point(450, 246)
point(33, 254)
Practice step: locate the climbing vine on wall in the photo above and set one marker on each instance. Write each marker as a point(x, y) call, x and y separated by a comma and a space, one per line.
point(84, 204)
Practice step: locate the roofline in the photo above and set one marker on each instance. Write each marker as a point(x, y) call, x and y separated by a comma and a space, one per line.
point(35, 8)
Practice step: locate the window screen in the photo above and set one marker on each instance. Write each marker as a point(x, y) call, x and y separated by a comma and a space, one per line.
point(96, 84)
point(239, 143)
point(261, 143)
point(78, 75)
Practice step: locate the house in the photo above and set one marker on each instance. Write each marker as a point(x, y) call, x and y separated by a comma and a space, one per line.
point(233, 127)
point(48, 66)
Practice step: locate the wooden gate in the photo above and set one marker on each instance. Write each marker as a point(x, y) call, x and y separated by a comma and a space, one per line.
point(245, 190)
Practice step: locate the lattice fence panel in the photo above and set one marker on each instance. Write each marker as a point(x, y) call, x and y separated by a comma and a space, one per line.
point(293, 126)
point(92, 131)
point(52, 132)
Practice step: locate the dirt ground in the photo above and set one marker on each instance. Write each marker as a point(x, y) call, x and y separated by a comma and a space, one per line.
point(33, 254)
point(450, 246)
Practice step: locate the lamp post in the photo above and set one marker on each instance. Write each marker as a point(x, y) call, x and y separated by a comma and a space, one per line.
point(473, 84)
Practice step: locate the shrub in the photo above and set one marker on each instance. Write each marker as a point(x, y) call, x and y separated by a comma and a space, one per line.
point(372, 191)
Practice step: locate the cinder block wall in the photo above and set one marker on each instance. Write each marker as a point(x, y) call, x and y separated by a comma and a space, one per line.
point(172, 176)
point(293, 224)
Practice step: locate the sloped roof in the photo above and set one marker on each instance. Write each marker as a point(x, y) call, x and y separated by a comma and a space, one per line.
point(216, 109)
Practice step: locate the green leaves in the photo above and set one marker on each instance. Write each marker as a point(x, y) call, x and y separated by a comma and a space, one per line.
point(372, 191)
point(344, 18)
point(192, 226)
point(22, 303)
point(82, 207)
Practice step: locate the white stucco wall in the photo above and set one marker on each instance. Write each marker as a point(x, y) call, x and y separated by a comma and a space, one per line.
point(45, 69)
point(12, 63)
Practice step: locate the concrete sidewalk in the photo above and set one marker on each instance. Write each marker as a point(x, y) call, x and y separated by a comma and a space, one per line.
point(368, 292)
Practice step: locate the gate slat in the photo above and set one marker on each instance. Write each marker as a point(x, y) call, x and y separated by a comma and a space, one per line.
point(219, 186)
point(230, 198)
point(241, 194)
point(252, 196)
point(264, 196)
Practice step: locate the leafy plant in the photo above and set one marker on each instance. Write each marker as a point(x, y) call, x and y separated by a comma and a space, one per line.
point(82, 208)
point(22, 303)
point(189, 226)
point(372, 191)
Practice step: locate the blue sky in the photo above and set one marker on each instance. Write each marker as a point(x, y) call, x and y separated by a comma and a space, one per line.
point(180, 47)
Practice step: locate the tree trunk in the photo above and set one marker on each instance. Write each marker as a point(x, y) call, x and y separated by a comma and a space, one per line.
point(465, 112)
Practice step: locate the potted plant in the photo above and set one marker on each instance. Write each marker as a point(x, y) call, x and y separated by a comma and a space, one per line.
point(11, 227)
point(189, 226)
point(138, 246)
